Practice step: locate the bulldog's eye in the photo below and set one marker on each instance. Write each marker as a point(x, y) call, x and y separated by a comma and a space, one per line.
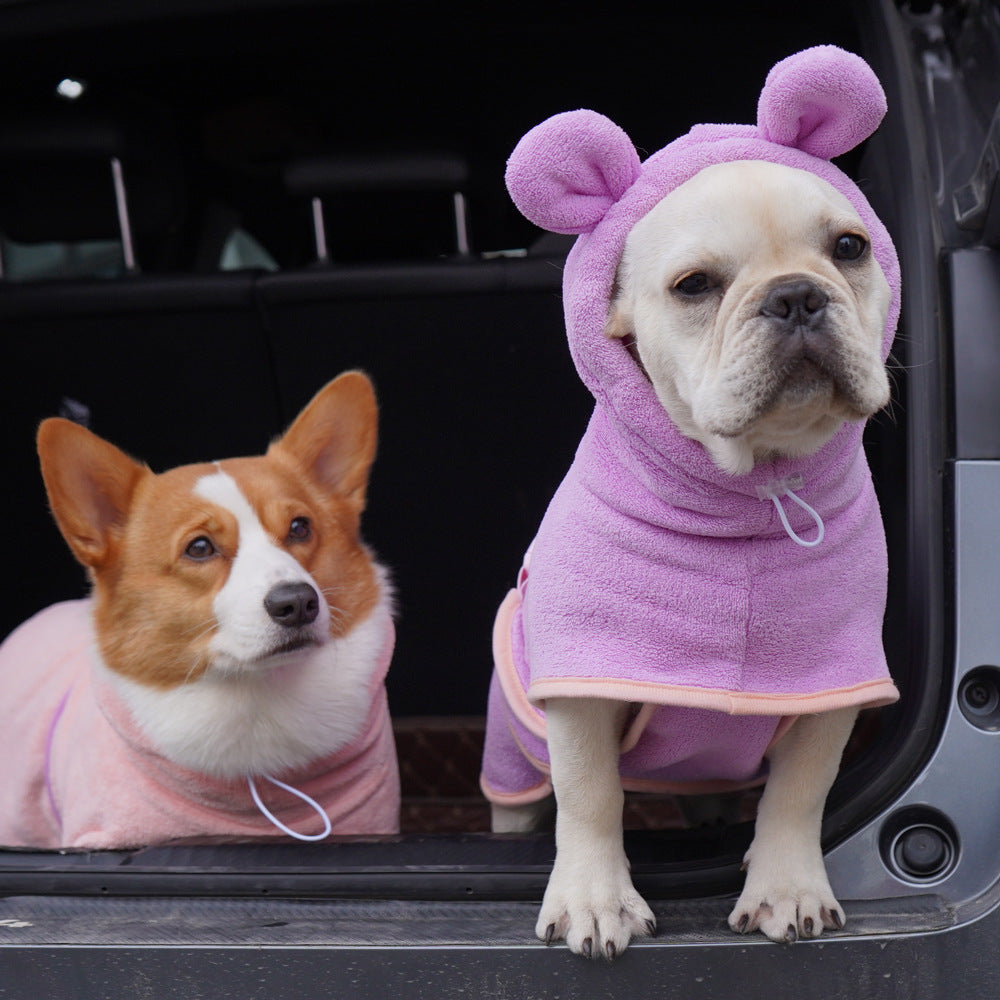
point(850, 246)
point(200, 549)
point(693, 285)
point(300, 530)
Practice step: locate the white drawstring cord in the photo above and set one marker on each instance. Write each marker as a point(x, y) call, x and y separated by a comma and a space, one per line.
point(277, 822)
point(778, 488)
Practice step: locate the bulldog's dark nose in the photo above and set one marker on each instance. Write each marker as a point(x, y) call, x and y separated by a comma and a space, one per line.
point(292, 604)
point(795, 304)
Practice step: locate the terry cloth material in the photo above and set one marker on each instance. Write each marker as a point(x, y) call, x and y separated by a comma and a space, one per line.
point(656, 578)
point(77, 773)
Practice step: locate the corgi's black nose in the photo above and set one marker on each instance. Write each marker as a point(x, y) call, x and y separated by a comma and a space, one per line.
point(292, 604)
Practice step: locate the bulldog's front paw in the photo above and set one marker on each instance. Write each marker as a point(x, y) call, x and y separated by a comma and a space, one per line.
point(786, 897)
point(598, 913)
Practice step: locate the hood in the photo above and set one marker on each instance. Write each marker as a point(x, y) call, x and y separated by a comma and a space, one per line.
point(579, 173)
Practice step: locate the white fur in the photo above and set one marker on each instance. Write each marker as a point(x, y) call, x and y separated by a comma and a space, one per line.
point(590, 899)
point(787, 894)
point(276, 714)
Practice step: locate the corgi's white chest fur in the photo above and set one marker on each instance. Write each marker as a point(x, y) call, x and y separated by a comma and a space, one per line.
point(257, 711)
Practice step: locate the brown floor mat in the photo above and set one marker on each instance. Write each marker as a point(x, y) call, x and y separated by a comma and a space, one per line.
point(439, 762)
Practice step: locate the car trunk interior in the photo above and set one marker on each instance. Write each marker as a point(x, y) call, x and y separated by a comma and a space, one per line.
point(233, 126)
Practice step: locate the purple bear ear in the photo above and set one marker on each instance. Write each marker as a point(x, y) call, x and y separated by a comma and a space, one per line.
point(823, 101)
point(568, 171)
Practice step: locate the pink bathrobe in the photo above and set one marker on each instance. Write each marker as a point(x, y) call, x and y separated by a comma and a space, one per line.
point(78, 774)
point(656, 578)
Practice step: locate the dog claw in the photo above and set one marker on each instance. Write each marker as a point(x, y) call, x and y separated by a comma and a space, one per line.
point(741, 927)
point(838, 920)
point(807, 925)
point(651, 927)
point(610, 950)
point(550, 933)
point(791, 935)
point(588, 948)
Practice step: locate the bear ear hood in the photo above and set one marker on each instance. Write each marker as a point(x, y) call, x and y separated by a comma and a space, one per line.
point(824, 101)
point(568, 171)
point(579, 173)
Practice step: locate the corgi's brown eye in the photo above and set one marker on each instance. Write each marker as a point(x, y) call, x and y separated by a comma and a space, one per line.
point(300, 530)
point(200, 549)
point(850, 246)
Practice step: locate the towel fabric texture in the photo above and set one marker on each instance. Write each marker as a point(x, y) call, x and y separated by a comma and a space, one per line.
point(78, 774)
point(655, 578)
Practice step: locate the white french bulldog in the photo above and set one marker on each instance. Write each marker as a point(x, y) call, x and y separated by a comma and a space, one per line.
point(757, 312)
point(702, 605)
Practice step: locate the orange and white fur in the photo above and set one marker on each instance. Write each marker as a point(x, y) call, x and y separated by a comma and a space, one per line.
point(235, 645)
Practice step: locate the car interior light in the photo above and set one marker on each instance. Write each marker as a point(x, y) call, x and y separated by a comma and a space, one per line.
point(70, 89)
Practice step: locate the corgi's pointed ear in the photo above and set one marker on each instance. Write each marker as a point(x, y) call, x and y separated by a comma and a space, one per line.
point(335, 436)
point(90, 484)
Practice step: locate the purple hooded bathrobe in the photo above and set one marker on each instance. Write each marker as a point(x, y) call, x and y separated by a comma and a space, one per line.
point(655, 578)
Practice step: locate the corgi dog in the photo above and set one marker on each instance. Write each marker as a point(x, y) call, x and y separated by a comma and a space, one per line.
point(225, 677)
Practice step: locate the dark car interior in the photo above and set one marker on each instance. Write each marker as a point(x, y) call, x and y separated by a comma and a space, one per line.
point(315, 186)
